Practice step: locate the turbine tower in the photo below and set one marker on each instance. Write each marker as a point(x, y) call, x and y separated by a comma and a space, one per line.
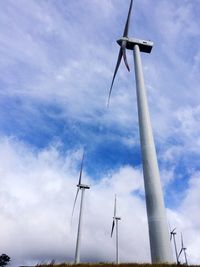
point(173, 234)
point(183, 249)
point(81, 187)
point(115, 220)
point(157, 221)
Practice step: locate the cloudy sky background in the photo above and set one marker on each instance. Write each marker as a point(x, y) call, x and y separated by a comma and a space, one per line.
point(56, 64)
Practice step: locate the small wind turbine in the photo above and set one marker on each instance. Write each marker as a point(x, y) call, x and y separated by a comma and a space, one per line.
point(156, 213)
point(183, 249)
point(115, 220)
point(81, 187)
point(173, 235)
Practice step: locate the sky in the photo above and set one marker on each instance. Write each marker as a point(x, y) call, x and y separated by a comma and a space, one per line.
point(56, 64)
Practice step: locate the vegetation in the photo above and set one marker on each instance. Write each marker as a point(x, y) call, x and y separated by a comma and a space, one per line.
point(110, 265)
point(4, 260)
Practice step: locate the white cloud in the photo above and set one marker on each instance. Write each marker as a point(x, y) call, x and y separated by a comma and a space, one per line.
point(36, 198)
point(68, 58)
point(65, 55)
point(186, 219)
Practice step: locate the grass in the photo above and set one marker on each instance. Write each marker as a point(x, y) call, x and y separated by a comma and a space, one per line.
point(110, 265)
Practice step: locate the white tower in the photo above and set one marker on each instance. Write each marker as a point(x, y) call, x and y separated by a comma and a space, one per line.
point(81, 187)
point(157, 221)
point(116, 220)
point(156, 214)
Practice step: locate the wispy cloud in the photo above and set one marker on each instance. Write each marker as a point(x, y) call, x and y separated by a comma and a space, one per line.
point(56, 65)
point(37, 192)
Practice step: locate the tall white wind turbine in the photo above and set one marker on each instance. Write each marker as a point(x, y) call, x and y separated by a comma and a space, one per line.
point(81, 187)
point(173, 235)
point(183, 249)
point(115, 221)
point(158, 229)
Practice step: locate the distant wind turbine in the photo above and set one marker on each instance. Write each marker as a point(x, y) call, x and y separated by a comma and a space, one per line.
point(183, 249)
point(173, 235)
point(158, 229)
point(81, 187)
point(115, 221)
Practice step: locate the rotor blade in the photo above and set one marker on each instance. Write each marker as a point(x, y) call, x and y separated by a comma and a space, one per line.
point(173, 230)
point(172, 233)
point(170, 236)
point(113, 226)
point(125, 58)
point(80, 176)
point(74, 203)
point(128, 20)
point(182, 241)
point(169, 230)
point(180, 252)
point(115, 206)
point(115, 72)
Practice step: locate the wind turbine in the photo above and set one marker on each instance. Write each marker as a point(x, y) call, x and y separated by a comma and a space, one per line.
point(115, 220)
point(173, 235)
point(183, 249)
point(81, 187)
point(158, 229)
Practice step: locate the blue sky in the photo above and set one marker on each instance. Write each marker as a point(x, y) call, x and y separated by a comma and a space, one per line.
point(56, 64)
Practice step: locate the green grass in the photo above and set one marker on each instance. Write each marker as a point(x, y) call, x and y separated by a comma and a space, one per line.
point(110, 265)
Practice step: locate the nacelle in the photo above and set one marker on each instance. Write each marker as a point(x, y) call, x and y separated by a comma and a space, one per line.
point(83, 186)
point(145, 46)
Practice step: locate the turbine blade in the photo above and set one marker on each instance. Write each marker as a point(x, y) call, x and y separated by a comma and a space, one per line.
point(173, 230)
point(182, 241)
point(169, 230)
point(169, 227)
point(113, 226)
point(122, 51)
point(126, 29)
point(115, 206)
point(115, 72)
point(172, 233)
point(170, 236)
point(80, 176)
point(74, 203)
point(125, 59)
point(180, 252)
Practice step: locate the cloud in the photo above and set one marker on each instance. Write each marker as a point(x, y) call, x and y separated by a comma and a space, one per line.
point(69, 62)
point(36, 198)
point(186, 219)
point(37, 193)
point(57, 63)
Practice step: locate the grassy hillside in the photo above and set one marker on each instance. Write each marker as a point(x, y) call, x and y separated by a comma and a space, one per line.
point(110, 265)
